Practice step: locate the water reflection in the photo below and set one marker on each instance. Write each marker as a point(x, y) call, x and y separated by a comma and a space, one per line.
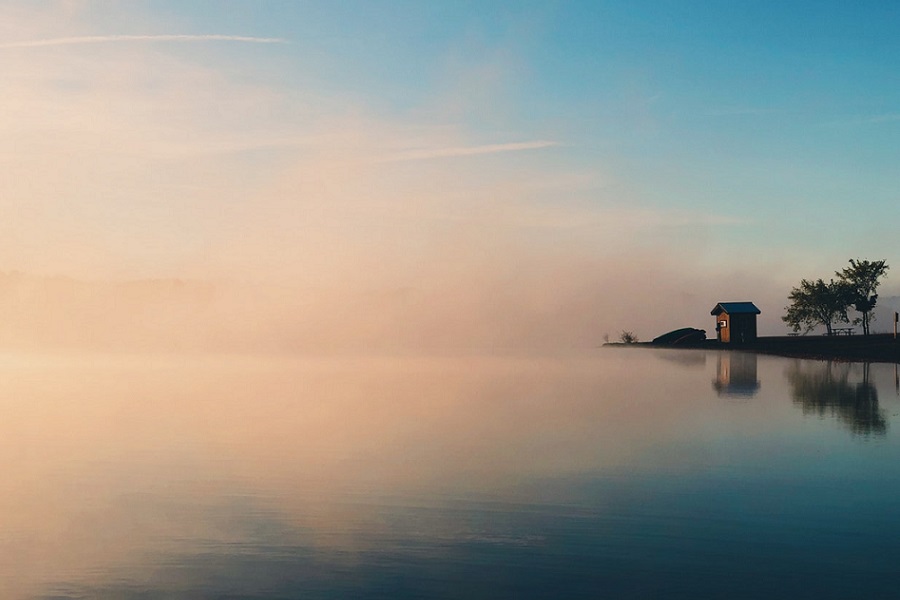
point(683, 357)
point(116, 468)
point(839, 390)
point(736, 375)
point(619, 476)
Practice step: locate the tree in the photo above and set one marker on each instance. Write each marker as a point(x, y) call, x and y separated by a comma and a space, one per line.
point(862, 279)
point(628, 337)
point(817, 303)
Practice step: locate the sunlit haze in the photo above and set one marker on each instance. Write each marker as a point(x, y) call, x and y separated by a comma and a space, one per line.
point(357, 176)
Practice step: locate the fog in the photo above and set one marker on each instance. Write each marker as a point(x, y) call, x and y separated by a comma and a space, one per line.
point(155, 202)
point(366, 235)
point(490, 308)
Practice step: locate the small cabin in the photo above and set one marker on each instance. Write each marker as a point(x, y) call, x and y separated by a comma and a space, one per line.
point(735, 322)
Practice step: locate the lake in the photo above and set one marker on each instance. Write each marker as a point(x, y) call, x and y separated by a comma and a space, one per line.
point(613, 473)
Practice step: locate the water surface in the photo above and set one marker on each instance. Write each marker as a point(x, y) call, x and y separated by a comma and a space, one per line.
point(609, 473)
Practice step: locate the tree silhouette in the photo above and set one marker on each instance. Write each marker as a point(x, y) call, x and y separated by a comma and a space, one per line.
point(627, 337)
point(817, 303)
point(862, 279)
point(823, 389)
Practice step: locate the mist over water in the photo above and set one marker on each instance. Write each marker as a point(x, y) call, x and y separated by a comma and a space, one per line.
point(307, 300)
point(621, 472)
point(539, 304)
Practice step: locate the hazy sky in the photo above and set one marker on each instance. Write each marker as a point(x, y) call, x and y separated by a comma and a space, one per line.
point(565, 168)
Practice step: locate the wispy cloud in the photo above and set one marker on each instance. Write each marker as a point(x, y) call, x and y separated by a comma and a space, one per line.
point(621, 220)
point(433, 153)
point(105, 39)
point(874, 119)
point(739, 111)
point(863, 120)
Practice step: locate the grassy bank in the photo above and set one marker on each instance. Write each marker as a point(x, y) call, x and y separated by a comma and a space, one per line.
point(872, 348)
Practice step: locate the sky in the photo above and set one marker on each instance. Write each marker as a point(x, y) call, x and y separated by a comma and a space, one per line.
point(449, 174)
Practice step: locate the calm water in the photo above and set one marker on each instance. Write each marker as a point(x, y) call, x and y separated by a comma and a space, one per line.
point(614, 474)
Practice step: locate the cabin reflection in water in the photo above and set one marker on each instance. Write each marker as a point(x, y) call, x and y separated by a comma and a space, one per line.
point(736, 375)
point(839, 390)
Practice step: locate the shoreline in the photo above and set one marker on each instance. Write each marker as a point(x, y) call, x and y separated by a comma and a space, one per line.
point(881, 347)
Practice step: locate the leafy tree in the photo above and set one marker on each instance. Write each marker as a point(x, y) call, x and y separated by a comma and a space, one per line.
point(862, 279)
point(817, 303)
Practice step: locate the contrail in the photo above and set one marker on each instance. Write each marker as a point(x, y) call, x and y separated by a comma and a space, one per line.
point(431, 153)
point(103, 39)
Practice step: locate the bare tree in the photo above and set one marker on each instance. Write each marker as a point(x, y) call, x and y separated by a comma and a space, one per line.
point(627, 337)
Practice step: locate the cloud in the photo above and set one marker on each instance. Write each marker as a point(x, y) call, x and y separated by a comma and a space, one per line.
point(104, 39)
point(433, 153)
point(863, 120)
point(875, 119)
point(743, 111)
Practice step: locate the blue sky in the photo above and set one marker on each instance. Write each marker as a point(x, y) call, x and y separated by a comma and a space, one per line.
point(679, 153)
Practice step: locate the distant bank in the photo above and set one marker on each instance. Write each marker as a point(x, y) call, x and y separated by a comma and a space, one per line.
point(870, 348)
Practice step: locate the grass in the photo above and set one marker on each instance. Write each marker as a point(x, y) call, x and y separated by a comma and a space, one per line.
point(858, 348)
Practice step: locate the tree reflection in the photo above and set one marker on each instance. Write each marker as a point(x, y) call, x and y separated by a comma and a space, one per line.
point(826, 389)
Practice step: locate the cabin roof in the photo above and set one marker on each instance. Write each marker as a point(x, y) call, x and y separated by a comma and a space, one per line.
point(735, 308)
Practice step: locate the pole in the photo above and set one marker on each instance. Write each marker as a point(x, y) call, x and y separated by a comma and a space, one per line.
point(896, 318)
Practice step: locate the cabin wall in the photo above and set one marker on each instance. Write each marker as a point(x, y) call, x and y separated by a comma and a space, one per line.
point(751, 328)
point(723, 332)
point(741, 329)
point(737, 329)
